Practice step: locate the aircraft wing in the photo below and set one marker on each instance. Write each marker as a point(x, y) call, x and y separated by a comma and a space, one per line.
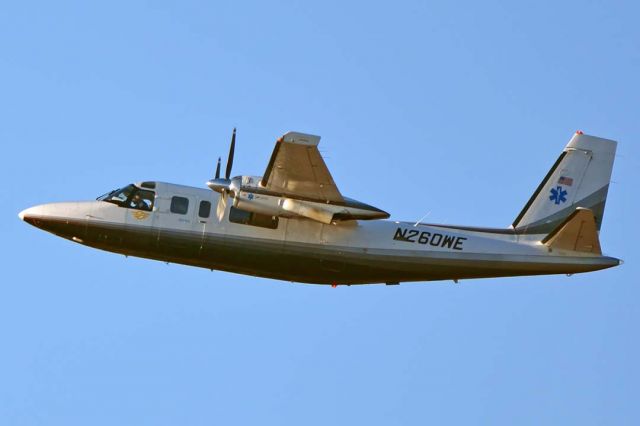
point(296, 169)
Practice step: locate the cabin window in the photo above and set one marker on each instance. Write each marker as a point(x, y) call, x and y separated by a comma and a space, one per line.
point(179, 205)
point(205, 209)
point(253, 219)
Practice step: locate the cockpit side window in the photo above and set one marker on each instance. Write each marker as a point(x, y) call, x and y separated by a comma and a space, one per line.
point(141, 200)
point(130, 197)
point(118, 196)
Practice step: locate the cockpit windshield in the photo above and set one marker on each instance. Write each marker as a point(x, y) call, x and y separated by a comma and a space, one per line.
point(130, 197)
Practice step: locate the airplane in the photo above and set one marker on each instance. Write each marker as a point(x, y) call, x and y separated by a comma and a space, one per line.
point(293, 224)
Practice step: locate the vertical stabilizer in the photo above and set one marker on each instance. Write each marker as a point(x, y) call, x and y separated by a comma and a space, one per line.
point(579, 178)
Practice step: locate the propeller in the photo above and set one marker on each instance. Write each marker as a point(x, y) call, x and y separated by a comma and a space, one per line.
point(218, 169)
point(222, 206)
point(223, 185)
point(232, 148)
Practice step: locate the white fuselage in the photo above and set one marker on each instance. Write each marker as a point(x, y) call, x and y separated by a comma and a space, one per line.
point(299, 249)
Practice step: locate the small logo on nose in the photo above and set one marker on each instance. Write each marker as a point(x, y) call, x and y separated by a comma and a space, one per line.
point(140, 215)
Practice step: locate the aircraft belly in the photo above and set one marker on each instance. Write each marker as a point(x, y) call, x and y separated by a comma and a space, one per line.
point(316, 262)
point(322, 264)
point(374, 266)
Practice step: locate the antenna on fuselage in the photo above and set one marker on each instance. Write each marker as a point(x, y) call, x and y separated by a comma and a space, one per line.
point(422, 218)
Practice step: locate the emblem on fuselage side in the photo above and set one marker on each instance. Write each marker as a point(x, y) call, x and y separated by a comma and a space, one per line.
point(139, 214)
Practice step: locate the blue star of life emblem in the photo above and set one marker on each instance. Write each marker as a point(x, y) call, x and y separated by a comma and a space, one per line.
point(250, 196)
point(558, 195)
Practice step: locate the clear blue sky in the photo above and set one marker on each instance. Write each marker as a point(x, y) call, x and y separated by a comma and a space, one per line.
point(457, 109)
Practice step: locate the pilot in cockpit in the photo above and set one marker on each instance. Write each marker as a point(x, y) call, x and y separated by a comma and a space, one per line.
point(137, 202)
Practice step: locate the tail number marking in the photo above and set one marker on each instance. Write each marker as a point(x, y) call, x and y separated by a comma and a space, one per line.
point(433, 239)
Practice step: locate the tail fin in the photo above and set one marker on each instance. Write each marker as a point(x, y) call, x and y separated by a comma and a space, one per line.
point(579, 178)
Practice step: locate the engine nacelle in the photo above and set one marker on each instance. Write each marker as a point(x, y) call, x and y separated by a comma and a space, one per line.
point(315, 211)
point(258, 203)
point(286, 207)
point(273, 205)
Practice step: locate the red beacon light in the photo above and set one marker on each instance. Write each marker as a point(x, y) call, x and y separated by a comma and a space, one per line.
point(579, 132)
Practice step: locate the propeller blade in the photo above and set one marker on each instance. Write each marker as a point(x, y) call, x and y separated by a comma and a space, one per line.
point(231, 150)
point(218, 169)
point(222, 205)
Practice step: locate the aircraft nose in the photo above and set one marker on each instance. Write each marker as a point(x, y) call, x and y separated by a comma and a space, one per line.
point(67, 220)
point(29, 215)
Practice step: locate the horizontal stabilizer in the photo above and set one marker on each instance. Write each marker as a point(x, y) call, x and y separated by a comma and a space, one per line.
point(577, 233)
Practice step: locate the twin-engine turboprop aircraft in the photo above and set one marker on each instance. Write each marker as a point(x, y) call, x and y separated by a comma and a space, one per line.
point(292, 223)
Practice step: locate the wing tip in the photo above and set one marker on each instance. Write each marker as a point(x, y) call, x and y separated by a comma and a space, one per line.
point(300, 138)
